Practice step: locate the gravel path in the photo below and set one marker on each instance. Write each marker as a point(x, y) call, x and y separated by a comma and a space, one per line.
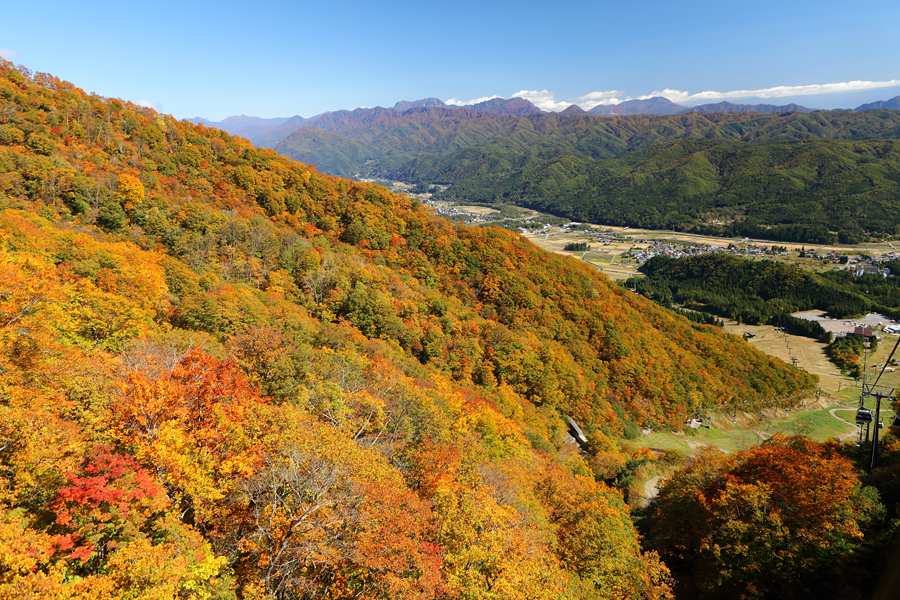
point(849, 434)
point(651, 488)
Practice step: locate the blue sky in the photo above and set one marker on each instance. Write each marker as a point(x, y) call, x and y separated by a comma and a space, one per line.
point(276, 58)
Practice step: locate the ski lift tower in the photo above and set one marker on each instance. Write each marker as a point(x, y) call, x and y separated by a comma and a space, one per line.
point(864, 416)
point(867, 336)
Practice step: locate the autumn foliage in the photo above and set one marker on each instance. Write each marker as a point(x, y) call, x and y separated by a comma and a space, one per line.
point(223, 374)
point(750, 524)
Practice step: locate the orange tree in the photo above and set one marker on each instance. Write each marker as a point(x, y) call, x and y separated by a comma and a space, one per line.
point(747, 525)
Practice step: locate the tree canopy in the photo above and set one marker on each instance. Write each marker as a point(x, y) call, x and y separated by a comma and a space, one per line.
point(225, 374)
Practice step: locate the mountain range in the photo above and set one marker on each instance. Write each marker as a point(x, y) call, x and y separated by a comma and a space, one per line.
point(738, 172)
point(269, 132)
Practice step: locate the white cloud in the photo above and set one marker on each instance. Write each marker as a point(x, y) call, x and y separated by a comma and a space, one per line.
point(146, 104)
point(8, 54)
point(589, 101)
point(544, 100)
point(458, 102)
point(774, 92)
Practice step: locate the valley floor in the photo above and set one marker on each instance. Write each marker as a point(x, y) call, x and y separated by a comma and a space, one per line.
point(619, 254)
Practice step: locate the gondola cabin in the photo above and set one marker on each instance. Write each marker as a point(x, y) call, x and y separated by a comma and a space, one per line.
point(863, 416)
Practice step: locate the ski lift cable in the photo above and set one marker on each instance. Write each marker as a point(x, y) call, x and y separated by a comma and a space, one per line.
point(887, 362)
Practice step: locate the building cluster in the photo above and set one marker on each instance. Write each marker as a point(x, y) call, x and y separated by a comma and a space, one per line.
point(859, 265)
point(675, 250)
point(859, 270)
point(862, 264)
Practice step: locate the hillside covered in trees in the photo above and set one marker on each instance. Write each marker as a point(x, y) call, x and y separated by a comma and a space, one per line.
point(767, 291)
point(757, 291)
point(818, 191)
point(819, 177)
point(224, 374)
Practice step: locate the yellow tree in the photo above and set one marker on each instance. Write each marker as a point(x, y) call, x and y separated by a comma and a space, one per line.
point(131, 191)
point(596, 539)
point(198, 425)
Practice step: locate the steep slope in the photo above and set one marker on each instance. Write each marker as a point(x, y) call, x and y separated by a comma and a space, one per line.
point(179, 163)
point(330, 152)
point(253, 378)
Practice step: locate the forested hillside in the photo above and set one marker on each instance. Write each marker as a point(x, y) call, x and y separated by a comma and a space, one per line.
point(448, 145)
point(811, 191)
point(757, 291)
point(223, 374)
point(818, 177)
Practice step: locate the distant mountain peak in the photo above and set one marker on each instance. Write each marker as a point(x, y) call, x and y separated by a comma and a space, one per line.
point(760, 108)
point(651, 106)
point(892, 104)
point(427, 102)
point(573, 109)
point(519, 107)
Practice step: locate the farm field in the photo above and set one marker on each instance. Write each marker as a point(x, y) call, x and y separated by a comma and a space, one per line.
point(614, 260)
point(607, 257)
point(479, 210)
